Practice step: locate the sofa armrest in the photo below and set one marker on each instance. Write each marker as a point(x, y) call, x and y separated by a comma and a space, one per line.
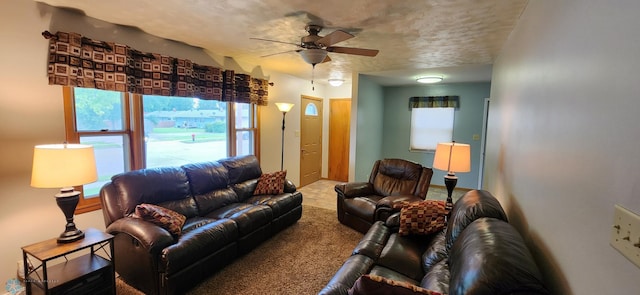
point(150, 236)
point(395, 202)
point(354, 189)
point(391, 204)
point(289, 186)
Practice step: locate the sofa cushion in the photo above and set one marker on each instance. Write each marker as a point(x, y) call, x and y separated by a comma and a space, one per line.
point(168, 219)
point(472, 205)
point(214, 200)
point(362, 207)
point(396, 177)
point(490, 257)
point(206, 176)
point(436, 251)
point(437, 278)
point(373, 241)
point(280, 204)
point(271, 183)
point(377, 285)
point(153, 186)
point(422, 218)
point(242, 168)
point(248, 217)
point(403, 255)
point(198, 243)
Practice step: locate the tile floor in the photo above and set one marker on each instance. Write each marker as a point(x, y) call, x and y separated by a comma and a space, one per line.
point(322, 194)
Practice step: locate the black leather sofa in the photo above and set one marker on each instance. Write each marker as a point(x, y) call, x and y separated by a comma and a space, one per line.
point(224, 220)
point(478, 253)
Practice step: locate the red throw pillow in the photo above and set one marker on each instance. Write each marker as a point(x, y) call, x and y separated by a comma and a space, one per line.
point(377, 285)
point(423, 218)
point(168, 219)
point(271, 184)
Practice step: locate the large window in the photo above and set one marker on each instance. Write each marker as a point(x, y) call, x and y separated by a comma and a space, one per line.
point(181, 130)
point(130, 131)
point(430, 126)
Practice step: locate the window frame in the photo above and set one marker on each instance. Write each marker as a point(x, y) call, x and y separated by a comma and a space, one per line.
point(133, 133)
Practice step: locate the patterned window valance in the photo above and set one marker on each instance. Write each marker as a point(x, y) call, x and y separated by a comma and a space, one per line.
point(434, 102)
point(78, 61)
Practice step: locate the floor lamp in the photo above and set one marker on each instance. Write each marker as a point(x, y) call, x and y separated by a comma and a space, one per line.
point(284, 107)
point(452, 157)
point(64, 166)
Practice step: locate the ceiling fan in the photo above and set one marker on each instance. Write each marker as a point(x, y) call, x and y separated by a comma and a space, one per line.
point(314, 48)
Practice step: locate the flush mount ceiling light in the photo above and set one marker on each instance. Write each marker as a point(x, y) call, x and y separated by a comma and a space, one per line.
point(336, 82)
point(429, 79)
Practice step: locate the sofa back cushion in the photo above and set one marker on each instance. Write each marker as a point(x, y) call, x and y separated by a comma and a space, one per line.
point(166, 186)
point(490, 257)
point(206, 176)
point(391, 177)
point(242, 168)
point(471, 206)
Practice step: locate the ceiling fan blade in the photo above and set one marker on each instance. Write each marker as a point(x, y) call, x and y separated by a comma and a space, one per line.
point(327, 59)
point(279, 53)
point(333, 38)
point(354, 51)
point(276, 41)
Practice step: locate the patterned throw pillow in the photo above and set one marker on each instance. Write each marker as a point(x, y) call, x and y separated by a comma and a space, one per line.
point(376, 285)
point(271, 183)
point(423, 218)
point(168, 219)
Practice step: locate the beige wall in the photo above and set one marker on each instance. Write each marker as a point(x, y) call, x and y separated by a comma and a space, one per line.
point(563, 138)
point(32, 113)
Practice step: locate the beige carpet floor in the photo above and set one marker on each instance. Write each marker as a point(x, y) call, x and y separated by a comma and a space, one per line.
point(299, 260)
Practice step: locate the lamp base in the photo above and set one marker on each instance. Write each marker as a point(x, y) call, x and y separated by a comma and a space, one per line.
point(67, 200)
point(450, 181)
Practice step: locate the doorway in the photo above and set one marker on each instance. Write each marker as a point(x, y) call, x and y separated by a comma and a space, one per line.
point(339, 130)
point(310, 139)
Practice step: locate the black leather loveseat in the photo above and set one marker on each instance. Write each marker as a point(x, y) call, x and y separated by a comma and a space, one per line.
point(478, 253)
point(224, 219)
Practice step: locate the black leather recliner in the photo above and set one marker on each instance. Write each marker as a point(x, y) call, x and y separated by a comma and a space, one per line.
point(391, 181)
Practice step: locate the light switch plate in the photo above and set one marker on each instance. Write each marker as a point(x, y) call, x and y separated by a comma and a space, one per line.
point(625, 235)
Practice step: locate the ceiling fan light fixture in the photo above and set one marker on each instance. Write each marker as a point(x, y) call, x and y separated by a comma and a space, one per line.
point(336, 82)
point(429, 79)
point(313, 56)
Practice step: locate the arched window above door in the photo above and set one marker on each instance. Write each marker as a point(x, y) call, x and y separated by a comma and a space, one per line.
point(311, 110)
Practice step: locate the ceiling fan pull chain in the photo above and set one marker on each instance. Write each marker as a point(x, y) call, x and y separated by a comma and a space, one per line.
point(313, 68)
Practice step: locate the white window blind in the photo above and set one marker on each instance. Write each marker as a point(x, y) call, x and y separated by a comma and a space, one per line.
point(430, 126)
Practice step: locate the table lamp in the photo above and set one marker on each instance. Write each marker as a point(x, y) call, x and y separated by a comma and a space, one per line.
point(452, 157)
point(64, 166)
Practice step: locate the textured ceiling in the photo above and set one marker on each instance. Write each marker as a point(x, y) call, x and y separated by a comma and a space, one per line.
point(458, 39)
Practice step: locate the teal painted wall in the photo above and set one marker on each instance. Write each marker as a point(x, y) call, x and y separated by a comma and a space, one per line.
point(369, 138)
point(396, 125)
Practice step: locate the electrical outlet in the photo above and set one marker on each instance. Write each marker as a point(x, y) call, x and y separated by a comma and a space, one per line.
point(625, 236)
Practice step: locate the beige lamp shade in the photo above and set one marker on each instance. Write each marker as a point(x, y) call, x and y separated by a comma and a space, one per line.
point(284, 106)
point(63, 165)
point(452, 157)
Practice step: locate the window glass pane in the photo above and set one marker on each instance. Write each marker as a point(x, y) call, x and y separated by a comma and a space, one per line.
point(98, 109)
point(244, 143)
point(109, 151)
point(181, 130)
point(311, 110)
point(243, 115)
point(430, 126)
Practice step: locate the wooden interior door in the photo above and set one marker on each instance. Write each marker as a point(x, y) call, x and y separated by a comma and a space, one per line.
point(310, 140)
point(339, 130)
